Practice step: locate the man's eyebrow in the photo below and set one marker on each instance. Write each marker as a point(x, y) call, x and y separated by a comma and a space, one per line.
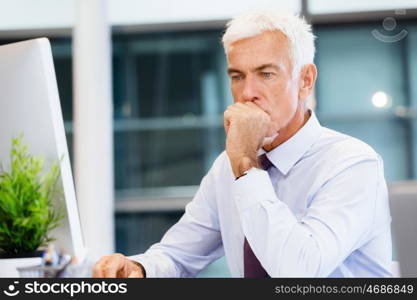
point(231, 70)
point(260, 68)
point(266, 66)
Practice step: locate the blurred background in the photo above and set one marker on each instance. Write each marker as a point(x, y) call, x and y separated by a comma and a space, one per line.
point(170, 88)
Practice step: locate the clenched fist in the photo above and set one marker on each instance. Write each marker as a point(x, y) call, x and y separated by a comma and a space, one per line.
point(117, 266)
point(246, 126)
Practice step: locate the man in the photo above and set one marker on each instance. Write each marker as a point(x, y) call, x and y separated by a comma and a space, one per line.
point(287, 197)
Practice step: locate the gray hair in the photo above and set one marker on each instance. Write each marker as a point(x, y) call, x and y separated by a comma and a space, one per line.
point(295, 28)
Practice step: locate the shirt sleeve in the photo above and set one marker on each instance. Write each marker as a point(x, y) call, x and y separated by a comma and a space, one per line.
point(339, 217)
point(189, 245)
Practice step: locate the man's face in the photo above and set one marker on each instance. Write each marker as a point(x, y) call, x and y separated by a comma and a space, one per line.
point(261, 69)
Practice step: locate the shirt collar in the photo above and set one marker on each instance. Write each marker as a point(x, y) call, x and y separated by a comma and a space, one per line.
point(286, 155)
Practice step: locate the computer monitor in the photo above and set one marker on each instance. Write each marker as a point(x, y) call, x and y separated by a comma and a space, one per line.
point(29, 104)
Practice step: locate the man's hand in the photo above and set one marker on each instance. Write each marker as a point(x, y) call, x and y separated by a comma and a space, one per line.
point(117, 266)
point(246, 127)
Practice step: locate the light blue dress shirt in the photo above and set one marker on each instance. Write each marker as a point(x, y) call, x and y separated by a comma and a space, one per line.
point(321, 211)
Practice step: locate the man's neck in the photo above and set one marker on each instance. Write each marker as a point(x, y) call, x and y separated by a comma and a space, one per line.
point(301, 117)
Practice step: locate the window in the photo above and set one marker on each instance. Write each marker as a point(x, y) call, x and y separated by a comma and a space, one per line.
point(362, 91)
point(169, 102)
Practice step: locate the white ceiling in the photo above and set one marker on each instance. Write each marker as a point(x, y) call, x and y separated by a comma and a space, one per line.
point(33, 14)
point(337, 6)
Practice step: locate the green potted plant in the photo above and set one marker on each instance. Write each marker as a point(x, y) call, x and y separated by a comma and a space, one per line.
point(29, 208)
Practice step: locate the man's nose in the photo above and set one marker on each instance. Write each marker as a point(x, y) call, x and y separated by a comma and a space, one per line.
point(250, 90)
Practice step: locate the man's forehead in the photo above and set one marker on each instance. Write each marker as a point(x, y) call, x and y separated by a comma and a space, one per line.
point(266, 49)
point(270, 44)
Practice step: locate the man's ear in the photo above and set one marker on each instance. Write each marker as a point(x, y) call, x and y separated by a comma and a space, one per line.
point(308, 76)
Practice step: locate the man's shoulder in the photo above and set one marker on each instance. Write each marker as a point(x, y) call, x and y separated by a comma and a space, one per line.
point(336, 152)
point(340, 146)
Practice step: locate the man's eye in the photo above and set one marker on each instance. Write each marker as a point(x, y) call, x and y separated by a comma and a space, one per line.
point(236, 77)
point(266, 75)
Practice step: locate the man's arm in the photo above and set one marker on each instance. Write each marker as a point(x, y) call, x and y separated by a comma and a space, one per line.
point(339, 219)
point(186, 248)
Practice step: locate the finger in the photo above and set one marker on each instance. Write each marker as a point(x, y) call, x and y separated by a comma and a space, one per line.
point(256, 106)
point(226, 124)
point(98, 267)
point(240, 107)
point(113, 265)
point(227, 116)
point(252, 105)
point(233, 111)
point(134, 274)
point(263, 105)
point(233, 108)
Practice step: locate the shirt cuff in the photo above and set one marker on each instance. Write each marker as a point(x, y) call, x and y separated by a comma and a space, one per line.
point(253, 188)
